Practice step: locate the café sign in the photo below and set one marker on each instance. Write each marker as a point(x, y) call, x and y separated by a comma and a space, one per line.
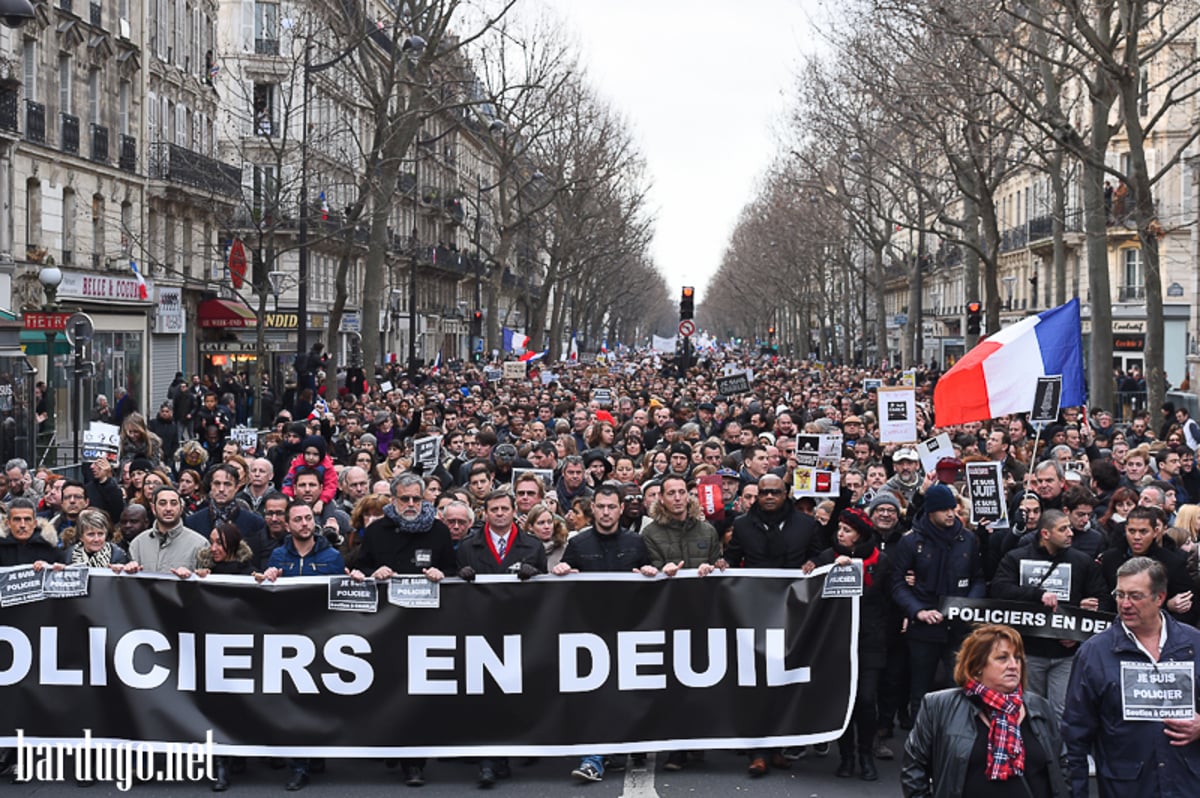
point(101, 287)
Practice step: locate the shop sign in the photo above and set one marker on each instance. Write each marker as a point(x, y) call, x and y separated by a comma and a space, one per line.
point(1129, 343)
point(283, 320)
point(170, 318)
point(351, 322)
point(236, 347)
point(1129, 326)
point(101, 287)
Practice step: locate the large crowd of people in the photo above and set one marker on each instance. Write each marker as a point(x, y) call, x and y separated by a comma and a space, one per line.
point(586, 468)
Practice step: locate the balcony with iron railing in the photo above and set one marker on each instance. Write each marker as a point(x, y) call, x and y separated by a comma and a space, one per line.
point(266, 47)
point(127, 157)
point(177, 164)
point(70, 133)
point(1131, 293)
point(99, 143)
point(35, 122)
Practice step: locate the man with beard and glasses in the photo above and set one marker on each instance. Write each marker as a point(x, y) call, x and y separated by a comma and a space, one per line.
point(222, 507)
point(408, 539)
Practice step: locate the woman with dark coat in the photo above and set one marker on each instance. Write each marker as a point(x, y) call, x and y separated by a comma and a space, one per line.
point(856, 540)
point(986, 736)
point(227, 553)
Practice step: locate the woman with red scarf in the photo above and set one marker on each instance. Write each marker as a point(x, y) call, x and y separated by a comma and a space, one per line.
point(856, 540)
point(986, 737)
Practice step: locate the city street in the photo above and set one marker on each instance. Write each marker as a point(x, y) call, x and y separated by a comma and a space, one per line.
point(721, 774)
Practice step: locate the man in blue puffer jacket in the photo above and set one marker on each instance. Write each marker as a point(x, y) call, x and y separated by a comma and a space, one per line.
point(303, 553)
point(944, 559)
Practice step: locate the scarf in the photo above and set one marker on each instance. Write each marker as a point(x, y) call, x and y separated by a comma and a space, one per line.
point(422, 523)
point(866, 550)
point(101, 559)
point(222, 513)
point(1006, 752)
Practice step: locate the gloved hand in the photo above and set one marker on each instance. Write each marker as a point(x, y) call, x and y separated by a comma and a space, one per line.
point(334, 536)
point(526, 571)
point(466, 573)
point(418, 469)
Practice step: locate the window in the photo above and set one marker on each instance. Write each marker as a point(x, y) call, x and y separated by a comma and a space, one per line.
point(64, 84)
point(30, 60)
point(94, 96)
point(266, 193)
point(151, 113)
point(123, 107)
point(264, 109)
point(68, 236)
point(98, 232)
point(33, 213)
point(1133, 266)
point(266, 29)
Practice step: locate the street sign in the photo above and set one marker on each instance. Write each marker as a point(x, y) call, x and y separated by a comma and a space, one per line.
point(687, 327)
point(46, 322)
point(79, 328)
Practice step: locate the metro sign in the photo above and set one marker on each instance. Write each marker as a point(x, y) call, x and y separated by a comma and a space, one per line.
point(46, 322)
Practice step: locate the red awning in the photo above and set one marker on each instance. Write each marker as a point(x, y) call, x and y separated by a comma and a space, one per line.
point(225, 313)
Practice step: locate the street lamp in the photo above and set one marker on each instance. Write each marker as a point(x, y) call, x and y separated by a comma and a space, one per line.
point(50, 276)
point(15, 13)
point(278, 281)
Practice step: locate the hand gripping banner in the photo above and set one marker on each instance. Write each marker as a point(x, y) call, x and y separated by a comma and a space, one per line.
point(554, 666)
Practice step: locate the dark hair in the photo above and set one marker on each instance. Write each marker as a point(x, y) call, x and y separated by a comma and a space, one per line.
point(1150, 514)
point(1078, 495)
point(607, 490)
point(1105, 475)
point(274, 495)
point(74, 483)
point(230, 537)
point(499, 493)
point(304, 471)
point(227, 470)
point(21, 503)
point(293, 503)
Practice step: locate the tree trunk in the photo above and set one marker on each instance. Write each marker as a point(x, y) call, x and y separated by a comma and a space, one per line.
point(375, 266)
point(1058, 188)
point(1100, 373)
point(881, 325)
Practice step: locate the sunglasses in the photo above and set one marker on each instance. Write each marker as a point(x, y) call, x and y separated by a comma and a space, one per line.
point(770, 492)
point(636, 497)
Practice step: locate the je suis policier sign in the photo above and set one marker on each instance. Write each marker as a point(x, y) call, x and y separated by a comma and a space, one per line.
point(553, 666)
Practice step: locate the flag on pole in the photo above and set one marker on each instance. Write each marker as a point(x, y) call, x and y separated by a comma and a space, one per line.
point(604, 345)
point(142, 292)
point(320, 408)
point(324, 208)
point(437, 363)
point(532, 357)
point(573, 352)
point(999, 376)
point(514, 341)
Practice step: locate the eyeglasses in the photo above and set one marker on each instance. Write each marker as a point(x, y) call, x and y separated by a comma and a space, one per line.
point(1136, 598)
point(409, 499)
point(770, 492)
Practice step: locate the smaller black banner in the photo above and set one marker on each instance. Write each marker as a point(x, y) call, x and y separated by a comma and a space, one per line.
point(347, 595)
point(733, 384)
point(1046, 399)
point(1031, 620)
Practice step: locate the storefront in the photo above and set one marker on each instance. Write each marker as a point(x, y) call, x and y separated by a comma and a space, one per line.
point(120, 349)
point(1129, 338)
point(229, 339)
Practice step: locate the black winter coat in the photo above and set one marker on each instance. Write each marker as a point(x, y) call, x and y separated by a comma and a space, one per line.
point(755, 543)
point(873, 608)
point(384, 543)
point(475, 552)
point(592, 552)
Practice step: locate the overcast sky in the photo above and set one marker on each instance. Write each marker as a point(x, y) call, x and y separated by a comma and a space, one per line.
point(703, 84)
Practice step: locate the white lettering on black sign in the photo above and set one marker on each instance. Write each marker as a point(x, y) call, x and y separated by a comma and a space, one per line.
point(1158, 691)
point(1038, 574)
point(844, 581)
point(414, 592)
point(347, 595)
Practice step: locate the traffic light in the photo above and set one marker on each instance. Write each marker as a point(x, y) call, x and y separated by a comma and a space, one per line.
point(687, 303)
point(974, 318)
point(477, 323)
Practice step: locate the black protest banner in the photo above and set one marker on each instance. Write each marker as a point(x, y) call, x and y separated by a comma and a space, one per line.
point(1031, 620)
point(553, 666)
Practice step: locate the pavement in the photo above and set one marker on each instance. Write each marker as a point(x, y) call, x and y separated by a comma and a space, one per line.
point(721, 773)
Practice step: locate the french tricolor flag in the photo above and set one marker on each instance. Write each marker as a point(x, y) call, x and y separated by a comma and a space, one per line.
point(533, 357)
point(999, 376)
point(514, 341)
point(142, 292)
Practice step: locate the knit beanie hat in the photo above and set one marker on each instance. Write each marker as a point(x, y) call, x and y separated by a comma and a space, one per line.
point(939, 497)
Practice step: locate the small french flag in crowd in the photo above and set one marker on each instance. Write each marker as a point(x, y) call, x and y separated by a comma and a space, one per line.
point(143, 293)
point(437, 363)
point(999, 376)
point(533, 357)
